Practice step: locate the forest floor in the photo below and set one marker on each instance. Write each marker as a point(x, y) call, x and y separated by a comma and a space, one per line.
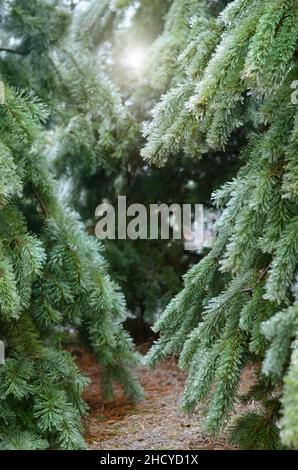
point(155, 423)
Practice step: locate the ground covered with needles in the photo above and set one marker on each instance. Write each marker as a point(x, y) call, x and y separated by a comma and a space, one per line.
point(155, 423)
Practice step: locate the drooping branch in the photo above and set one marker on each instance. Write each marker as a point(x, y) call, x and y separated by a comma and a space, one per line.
point(15, 51)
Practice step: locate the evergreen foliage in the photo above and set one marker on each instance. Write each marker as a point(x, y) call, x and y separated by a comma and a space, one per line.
point(238, 72)
point(120, 168)
point(221, 74)
point(53, 275)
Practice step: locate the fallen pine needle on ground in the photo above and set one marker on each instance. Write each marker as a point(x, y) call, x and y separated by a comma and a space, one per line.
point(155, 423)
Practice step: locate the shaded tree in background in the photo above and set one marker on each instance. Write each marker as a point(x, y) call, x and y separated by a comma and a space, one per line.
point(53, 276)
point(150, 272)
point(238, 74)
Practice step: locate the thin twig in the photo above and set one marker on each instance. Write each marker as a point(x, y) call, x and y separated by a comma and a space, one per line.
point(15, 51)
point(41, 203)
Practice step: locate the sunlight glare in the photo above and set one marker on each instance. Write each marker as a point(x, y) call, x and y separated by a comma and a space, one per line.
point(134, 58)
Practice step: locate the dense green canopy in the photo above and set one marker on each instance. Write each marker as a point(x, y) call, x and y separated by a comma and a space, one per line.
point(99, 95)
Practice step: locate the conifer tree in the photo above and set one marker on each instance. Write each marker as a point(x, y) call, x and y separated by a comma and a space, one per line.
point(53, 275)
point(238, 74)
point(122, 171)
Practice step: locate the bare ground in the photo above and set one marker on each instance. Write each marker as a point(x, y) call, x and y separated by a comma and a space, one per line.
point(155, 423)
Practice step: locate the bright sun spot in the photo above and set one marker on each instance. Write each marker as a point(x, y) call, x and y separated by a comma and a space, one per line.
point(134, 58)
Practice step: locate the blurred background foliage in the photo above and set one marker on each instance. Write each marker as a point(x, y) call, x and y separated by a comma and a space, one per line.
point(130, 39)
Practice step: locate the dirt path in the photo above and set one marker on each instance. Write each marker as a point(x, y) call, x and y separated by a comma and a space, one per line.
point(153, 424)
